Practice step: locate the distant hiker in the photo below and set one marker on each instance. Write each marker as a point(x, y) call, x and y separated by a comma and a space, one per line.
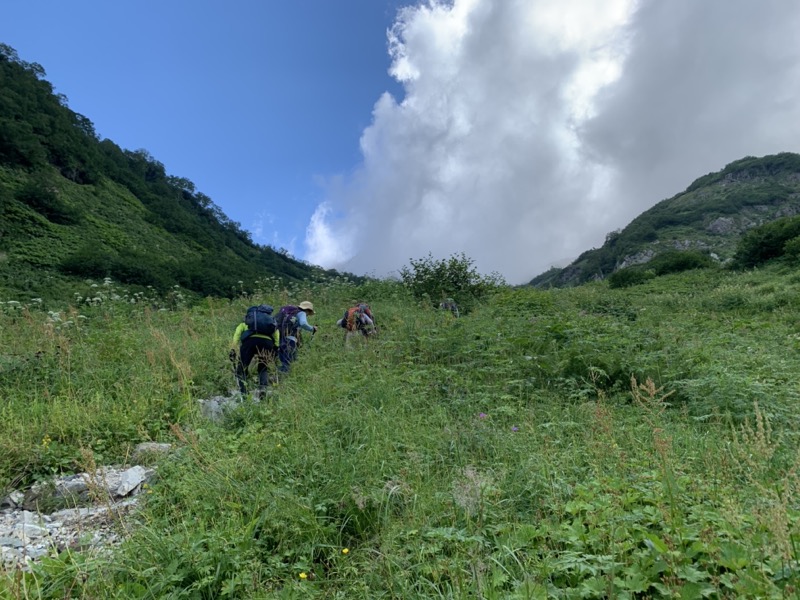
point(257, 337)
point(292, 321)
point(358, 319)
point(450, 304)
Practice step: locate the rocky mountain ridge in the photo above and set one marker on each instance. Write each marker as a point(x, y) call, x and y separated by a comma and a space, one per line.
point(710, 216)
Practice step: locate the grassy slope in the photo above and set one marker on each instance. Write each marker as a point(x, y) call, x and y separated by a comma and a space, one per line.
point(115, 222)
point(502, 454)
point(112, 217)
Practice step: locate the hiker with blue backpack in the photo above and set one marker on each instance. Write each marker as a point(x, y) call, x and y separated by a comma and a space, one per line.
point(291, 322)
point(449, 304)
point(256, 337)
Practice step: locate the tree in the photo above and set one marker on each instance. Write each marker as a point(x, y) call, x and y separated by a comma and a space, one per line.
point(454, 277)
point(766, 242)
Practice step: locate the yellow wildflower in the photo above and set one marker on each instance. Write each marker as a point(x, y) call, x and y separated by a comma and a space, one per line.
point(345, 550)
point(303, 575)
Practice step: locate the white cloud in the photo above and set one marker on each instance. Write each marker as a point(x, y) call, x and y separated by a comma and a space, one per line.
point(530, 128)
point(323, 245)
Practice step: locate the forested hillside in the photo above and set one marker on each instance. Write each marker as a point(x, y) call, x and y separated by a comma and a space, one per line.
point(74, 206)
point(709, 218)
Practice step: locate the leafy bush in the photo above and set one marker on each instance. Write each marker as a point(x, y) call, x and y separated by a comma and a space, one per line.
point(89, 261)
point(791, 249)
point(677, 261)
point(455, 277)
point(766, 242)
point(629, 276)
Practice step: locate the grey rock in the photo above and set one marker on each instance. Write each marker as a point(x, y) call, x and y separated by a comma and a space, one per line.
point(722, 226)
point(30, 518)
point(148, 451)
point(214, 408)
point(30, 531)
point(130, 480)
point(11, 557)
point(13, 500)
point(72, 487)
point(637, 259)
point(28, 535)
point(106, 480)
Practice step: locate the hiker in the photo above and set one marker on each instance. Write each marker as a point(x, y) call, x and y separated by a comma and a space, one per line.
point(292, 321)
point(450, 304)
point(358, 319)
point(256, 337)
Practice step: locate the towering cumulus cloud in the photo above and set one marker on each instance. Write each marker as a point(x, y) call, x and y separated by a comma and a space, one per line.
point(531, 128)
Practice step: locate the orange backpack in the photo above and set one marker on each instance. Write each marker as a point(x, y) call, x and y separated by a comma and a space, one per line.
point(352, 318)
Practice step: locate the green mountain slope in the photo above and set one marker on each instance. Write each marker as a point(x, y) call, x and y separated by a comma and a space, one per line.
point(73, 206)
point(710, 216)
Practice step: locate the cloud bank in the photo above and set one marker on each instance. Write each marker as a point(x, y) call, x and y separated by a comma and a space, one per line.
point(531, 128)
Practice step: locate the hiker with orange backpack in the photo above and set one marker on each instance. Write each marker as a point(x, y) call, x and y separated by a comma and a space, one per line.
point(358, 319)
point(292, 321)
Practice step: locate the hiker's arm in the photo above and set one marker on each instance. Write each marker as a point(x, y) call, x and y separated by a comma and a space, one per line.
point(237, 335)
point(302, 322)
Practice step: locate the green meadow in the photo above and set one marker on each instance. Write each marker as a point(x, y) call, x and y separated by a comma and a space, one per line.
point(590, 442)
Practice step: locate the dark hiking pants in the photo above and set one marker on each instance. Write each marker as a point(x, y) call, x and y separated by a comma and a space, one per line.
point(263, 350)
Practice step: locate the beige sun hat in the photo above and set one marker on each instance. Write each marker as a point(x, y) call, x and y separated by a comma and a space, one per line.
point(306, 306)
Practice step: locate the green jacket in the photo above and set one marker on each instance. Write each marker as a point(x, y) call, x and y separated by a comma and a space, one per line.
point(237, 335)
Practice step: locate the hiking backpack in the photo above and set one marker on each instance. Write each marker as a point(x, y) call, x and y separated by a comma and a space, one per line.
point(352, 317)
point(286, 322)
point(259, 320)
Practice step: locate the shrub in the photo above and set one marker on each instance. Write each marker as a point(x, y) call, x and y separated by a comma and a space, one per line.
point(766, 242)
point(676, 261)
point(455, 277)
point(89, 261)
point(629, 276)
point(791, 249)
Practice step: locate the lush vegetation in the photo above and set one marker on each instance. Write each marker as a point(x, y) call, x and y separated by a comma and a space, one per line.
point(634, 437)
point(711, 216)
point(432, 281)
point(575, 443)
point(778, 239)
point(73, 206)
point(672, 261)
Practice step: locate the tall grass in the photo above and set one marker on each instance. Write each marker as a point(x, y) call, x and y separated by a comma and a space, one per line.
point(583, 443)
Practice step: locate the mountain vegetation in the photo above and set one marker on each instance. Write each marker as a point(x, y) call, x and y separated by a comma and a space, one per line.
point(632, 434)
point(585, 442)
point(710, 218)
point(74, 206)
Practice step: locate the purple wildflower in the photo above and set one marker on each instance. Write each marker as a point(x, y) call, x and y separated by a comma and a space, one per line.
point(482, 415)
point(515, 428)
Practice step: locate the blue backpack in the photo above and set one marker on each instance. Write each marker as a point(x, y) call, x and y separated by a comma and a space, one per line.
point(259, 320)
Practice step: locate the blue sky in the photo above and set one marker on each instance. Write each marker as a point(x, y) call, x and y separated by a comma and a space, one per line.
point(360, 133)
point(256, 102)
